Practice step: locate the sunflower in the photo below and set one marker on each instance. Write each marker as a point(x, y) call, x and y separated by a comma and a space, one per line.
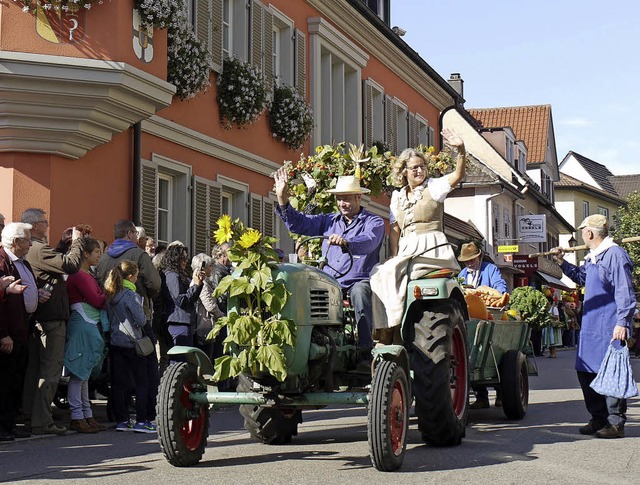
point(224, 232)
point(249, 238)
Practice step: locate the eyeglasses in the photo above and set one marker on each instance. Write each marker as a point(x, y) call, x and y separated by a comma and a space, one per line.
point(417, 168)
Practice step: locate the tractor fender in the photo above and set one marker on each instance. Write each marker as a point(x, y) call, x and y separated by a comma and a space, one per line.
point(196, 357)
point(393, 353)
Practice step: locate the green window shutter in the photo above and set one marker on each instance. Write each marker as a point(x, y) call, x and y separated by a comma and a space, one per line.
point(301, 63)
point(268, 227)
point(413, 131)
point(207, 209)
point(255, 217)
point(148, 216)
point(216, 34)
point(367, 105)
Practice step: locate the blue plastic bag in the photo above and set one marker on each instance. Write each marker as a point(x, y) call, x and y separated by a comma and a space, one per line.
point(615, 376)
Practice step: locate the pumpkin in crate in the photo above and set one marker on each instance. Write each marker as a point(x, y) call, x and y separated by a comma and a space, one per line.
point(475, 306)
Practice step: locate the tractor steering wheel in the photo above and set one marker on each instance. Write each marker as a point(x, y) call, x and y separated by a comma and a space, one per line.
point(322, 261)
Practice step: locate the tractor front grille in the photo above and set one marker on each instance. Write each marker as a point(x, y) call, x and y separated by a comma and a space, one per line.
point(319, 303)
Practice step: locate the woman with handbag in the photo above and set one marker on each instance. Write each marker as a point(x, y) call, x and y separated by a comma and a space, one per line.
point(127, 319)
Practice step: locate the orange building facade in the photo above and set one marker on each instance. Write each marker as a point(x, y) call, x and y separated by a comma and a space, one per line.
point(92, 132)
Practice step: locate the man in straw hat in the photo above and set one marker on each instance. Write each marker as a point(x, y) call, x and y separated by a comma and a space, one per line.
point(477, 272)
point(607, 314)
point(480, 273)
point(353, 227)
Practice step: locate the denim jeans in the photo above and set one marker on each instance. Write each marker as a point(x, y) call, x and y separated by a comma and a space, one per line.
point(78, 396)
point(360, 294)
point(124, 363)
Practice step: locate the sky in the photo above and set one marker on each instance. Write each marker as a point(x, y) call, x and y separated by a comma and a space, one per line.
point(580, 56)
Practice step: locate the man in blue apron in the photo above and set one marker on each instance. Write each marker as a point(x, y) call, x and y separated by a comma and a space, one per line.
point(609, 305)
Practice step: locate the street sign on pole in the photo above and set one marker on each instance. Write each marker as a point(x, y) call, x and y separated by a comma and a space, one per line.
point(532, 228)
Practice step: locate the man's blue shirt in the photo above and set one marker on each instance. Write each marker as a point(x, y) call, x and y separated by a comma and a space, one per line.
point(364, 235)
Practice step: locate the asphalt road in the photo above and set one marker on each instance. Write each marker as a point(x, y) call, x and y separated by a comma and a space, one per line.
point(543, 448)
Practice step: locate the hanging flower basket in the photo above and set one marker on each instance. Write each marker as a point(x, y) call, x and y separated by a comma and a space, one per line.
point(242, 94)
point(290, 117)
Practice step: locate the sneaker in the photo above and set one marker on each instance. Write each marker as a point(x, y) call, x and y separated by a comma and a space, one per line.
point(125, 426)
point(145, 427)
point(51, 429)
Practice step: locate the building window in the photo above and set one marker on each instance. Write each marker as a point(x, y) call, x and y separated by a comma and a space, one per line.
point(509, 150)
point(506, 219)
point(235, 195)
point(335, 80)
point(603, 211)
point(164, 209)
point(373, 105)
point(226, 29)
point(283, 48)
point(585, 209)
point(402, 123)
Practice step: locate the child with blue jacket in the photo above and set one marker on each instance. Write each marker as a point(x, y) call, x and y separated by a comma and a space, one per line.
point(127, 318)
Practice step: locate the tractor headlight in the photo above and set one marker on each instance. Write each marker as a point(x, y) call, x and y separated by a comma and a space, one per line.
point(423, 292)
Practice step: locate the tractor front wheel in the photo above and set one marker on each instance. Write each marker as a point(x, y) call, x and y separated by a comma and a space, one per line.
point(388, 416)
point(268, 425)
point(514, 377)
point(183, 425)
point(439, 360)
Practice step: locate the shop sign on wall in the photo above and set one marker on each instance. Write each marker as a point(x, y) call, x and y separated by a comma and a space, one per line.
point(532, 228)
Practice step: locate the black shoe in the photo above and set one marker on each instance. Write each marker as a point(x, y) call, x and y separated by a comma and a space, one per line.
point(20, 433)
point(590, 428)
point(611, 432)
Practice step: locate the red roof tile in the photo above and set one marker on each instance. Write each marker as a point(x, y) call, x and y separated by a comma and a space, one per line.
point(529, 123)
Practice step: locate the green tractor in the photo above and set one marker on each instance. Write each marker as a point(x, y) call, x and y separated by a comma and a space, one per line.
point(431, 366)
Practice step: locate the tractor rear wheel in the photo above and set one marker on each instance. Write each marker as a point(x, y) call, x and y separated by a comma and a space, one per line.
point(388, 416)
point(268, 425)
point(439, 360)
point(183, 425)
point(515, 384)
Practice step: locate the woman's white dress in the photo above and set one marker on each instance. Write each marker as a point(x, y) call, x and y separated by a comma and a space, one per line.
point(422, 247)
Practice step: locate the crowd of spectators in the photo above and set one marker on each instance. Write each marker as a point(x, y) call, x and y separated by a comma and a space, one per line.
point(76, 309)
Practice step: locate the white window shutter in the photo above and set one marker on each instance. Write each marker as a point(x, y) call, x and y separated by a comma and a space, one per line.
point(207, 209)
point(216, 34)
point(432, 137)
point(367, 105)
point(301, 63)
point(148, 216)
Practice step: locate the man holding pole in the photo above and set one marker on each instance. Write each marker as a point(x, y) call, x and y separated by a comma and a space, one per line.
point(609, 305)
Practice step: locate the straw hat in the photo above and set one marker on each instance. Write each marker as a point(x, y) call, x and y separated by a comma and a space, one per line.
point(468, 252)
point(348, 184)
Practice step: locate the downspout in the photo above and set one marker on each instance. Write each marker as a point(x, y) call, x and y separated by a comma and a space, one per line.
point(137, 174)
